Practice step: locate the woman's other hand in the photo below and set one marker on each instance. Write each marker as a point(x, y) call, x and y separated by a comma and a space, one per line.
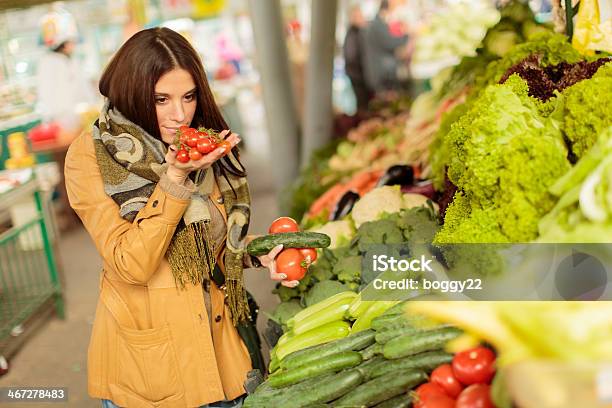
point(178, 172)
point(269, 262)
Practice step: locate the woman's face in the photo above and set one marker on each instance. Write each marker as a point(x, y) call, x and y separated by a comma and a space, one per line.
point(175, 102)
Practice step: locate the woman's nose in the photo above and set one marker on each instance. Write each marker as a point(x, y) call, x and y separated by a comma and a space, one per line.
point(178, 113)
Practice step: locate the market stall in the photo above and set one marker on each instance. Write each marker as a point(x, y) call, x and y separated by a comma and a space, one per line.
point(495, 179)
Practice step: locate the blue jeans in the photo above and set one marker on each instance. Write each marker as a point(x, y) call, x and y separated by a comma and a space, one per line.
point(237, 403)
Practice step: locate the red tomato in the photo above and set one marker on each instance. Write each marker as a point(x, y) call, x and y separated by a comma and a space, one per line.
point(202, 133)
point(474, 366)
point(184, 128)
point(437, 401)
point(444, 377)
point(309, 254)
point(475, 396)
point(183, 138)
point(290, 262)
point(195, 155)
point(425, 392)
point(182, 156)
point(283, 224)
point(190, 131)
point(205, 145)
point(192, 140)
point(227, 146)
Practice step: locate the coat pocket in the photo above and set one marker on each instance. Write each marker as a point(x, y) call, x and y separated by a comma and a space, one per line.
point(147, 365)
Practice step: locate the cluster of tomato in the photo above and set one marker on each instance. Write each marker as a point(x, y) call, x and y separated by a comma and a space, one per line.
point(293, 262)
point(192, 143)
point(465, 383)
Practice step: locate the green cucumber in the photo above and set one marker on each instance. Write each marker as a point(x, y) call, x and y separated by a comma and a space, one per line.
point(410, 344)
point(371, 351)
point(263, 245)
point(385, 322)
point(427, 362)
point(322, 334)
point(270, 397)
point(401, 401)
point(384, 336)
point(335, 387)
point(400, 308)
point(381, 389)
point(352, 342)
point(325, 365)
point(368, 366)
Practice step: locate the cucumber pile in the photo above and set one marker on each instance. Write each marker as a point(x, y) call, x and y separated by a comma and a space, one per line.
point(373, 366)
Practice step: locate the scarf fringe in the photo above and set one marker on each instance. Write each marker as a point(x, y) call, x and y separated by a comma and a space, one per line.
point(191, 258)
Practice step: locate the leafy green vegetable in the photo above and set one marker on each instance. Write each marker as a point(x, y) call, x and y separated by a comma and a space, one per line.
point(348, 269)
point(584, 210)
point(323, 290)
point(438, 148)
point(384, 231)
point(552, 49)
point(503, 157)
point(285, 311)
point(587, 111)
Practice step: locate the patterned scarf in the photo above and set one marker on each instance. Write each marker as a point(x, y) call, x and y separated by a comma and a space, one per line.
point(131, 162)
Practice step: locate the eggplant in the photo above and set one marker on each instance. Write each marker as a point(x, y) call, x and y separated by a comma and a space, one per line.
point(425, 188)
point(344, 205)
point(398, 174)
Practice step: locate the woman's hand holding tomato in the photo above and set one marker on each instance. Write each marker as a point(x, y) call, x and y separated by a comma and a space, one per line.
point(269, 261)
point(186, 158)
point(289, 264)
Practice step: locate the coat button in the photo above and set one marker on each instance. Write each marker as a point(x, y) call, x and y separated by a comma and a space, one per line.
point(218, 318)
point(220, 200)
point(155, 203)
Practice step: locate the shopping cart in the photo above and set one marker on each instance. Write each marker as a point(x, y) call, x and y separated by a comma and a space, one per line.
point(28, 272)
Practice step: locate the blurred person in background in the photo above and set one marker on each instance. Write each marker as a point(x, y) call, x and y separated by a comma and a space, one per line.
point(353, 57)
point(63, 93)
point(174, 325)
point(384, 48)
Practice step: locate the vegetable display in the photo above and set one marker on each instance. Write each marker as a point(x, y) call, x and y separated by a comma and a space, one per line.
point(352, 370)
point(512, 145)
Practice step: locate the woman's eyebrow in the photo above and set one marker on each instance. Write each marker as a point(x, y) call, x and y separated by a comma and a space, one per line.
point(165, 94)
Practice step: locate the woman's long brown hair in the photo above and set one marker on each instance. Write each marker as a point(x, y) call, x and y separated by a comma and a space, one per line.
point(129, 83)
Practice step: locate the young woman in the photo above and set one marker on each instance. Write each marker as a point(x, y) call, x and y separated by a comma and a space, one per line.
point(171, 235)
